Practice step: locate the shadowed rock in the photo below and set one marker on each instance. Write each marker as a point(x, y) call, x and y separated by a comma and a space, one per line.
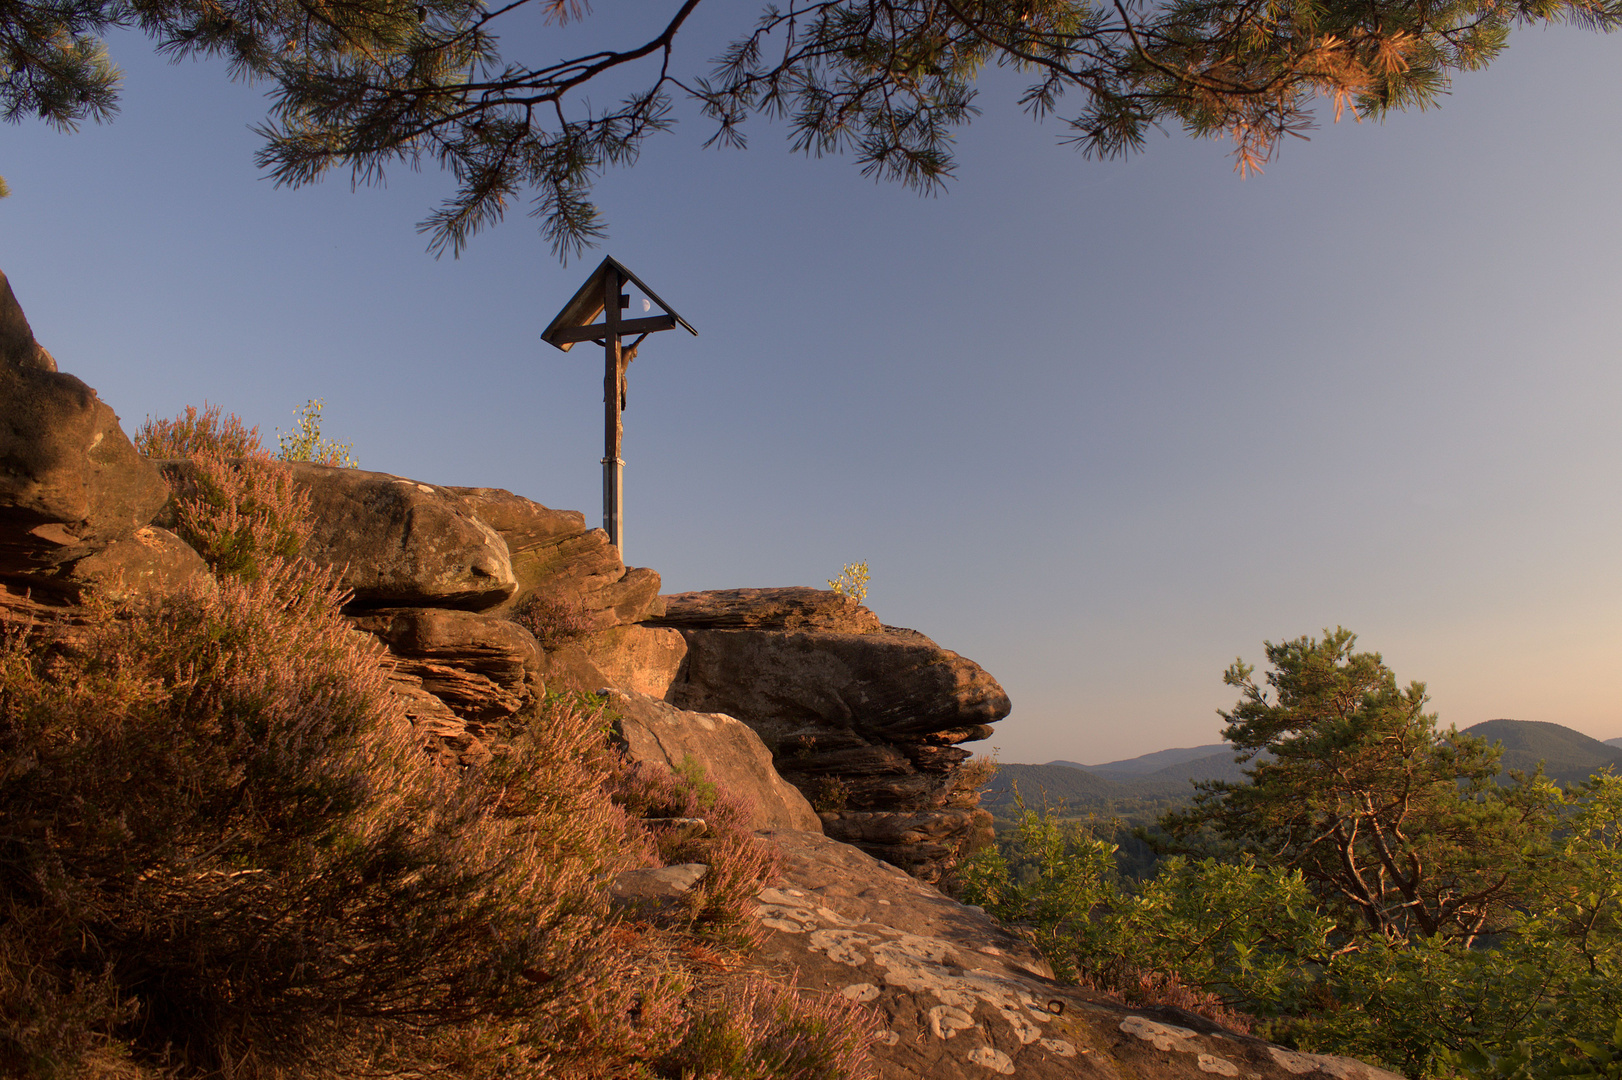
point(71, 483)
point(152, 560)
point(864, 724)
point(477, 665)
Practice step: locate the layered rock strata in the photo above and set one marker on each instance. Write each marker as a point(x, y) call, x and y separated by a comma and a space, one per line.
point(865, 719)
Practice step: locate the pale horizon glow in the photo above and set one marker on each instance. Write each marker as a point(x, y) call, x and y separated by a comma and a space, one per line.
point(1101, 427)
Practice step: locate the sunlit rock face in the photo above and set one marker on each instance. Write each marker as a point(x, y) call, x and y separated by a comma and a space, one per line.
point(957, 997)
point(863, 718)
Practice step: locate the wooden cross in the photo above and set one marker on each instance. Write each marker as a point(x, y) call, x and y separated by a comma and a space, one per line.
point(601, 295)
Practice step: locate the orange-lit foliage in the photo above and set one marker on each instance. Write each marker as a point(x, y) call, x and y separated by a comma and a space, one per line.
point(226, 853)
point(235, 504)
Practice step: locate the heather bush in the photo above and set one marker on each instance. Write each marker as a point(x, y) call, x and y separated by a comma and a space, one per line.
point(226, 854)
point(234, 503)
point(210, 429)
point(240, 512)
point(760, 1030)
point(554, 620)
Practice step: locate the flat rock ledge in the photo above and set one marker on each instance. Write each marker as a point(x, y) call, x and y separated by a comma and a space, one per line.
point(959, 998)
point(790, 608)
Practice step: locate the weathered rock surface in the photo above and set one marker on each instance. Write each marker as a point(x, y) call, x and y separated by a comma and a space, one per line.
point(150, 560)
point(959, 998)
point(444, 735)
point(893, 683)
point(645, 659)
point(403, 543)
point(70, 481)
point(865, 724)
point(553, 554)
point(663, 884)
point(793, 608)
point(479, 666)
point(17, 345)
point(732, 756)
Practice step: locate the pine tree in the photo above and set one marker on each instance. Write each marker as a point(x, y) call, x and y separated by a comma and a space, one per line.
point(1402, 829)
point(364, 84)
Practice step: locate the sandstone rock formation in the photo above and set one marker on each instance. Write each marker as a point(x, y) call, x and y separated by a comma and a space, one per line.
point(865, 719)
point(403, 543)
point(479, 667)
point(70, 482)
point(730, 753)
point(959, 998)
point(554, 554)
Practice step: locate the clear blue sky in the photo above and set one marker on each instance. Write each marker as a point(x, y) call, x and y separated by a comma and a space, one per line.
point(1099, 426)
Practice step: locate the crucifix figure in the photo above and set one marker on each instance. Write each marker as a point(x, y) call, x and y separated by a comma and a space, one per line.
point(602, 295)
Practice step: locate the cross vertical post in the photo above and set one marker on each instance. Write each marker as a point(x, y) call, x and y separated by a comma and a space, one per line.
point(613, 421)
point(602, 295)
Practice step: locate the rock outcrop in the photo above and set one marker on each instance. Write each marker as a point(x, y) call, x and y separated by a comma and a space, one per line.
point(730, 753)
point(779, 693)
point(553, 554)
point(959, 998)
point(481, 668)
point(865, 719)
point(403, 543)
point(71, 484)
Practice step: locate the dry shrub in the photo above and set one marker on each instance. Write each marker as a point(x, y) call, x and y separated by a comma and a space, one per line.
point(1140, 986)
point(555, 620)
point(761, 1030)
point(225, 854)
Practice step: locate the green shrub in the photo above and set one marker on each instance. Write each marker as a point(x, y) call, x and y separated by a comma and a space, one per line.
point(305, 442)
point(1222, 940)
point(852, 582)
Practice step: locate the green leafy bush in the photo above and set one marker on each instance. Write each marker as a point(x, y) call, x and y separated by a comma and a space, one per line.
point(1505, 965)
point(852, 582)
point(306, 443)
point(1220, 940)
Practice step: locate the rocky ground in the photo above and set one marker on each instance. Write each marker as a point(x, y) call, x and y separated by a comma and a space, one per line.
point(960, 997)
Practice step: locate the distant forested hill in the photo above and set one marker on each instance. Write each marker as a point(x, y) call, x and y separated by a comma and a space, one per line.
point(1140, 787)
point(1566, 754)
